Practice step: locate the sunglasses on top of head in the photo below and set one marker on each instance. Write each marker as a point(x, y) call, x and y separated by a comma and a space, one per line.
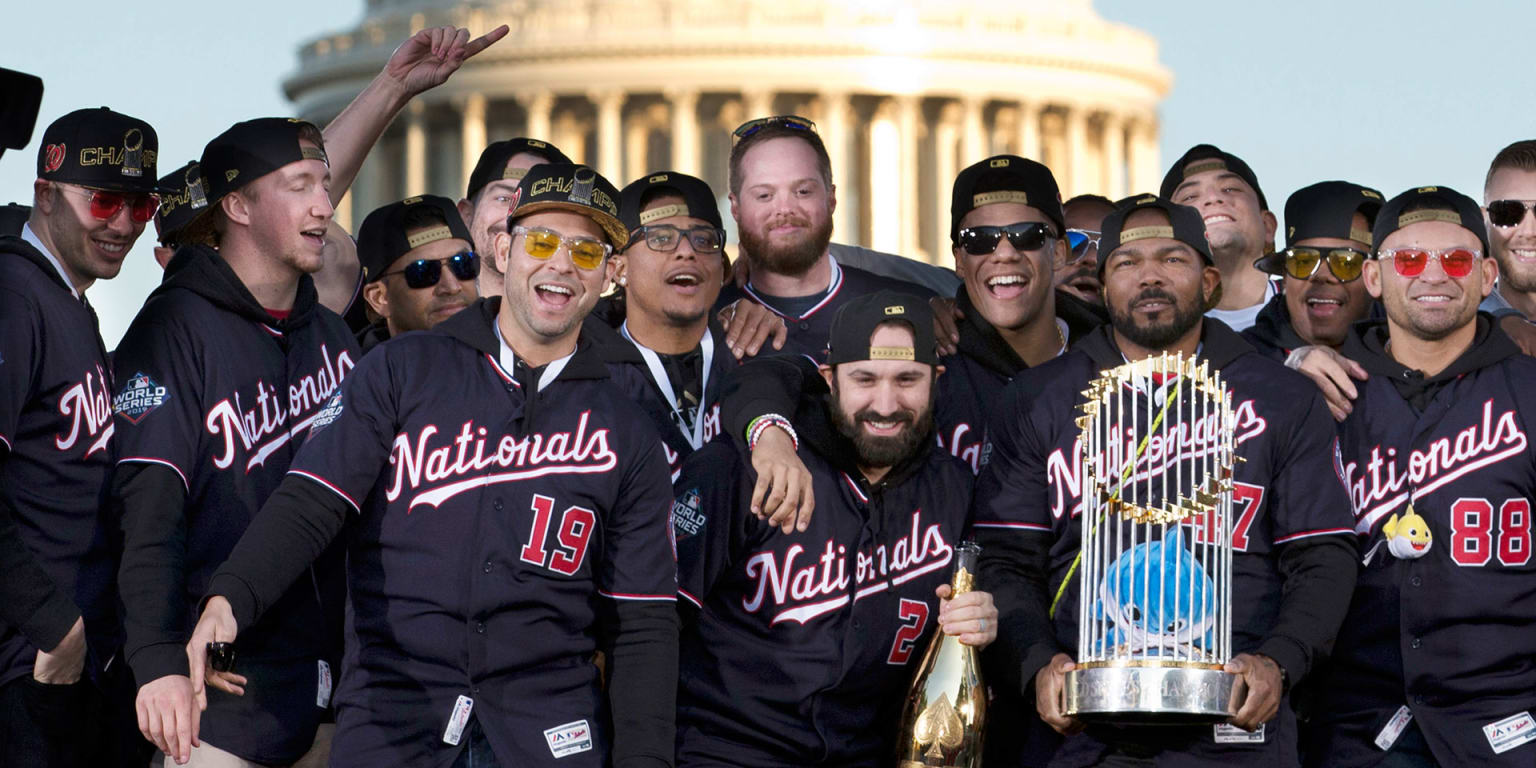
point(750, 127)
point(1023, 236)
point(426, 273)
point(105, 203)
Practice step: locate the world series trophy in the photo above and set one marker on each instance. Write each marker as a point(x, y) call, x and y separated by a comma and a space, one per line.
point(1155, 607)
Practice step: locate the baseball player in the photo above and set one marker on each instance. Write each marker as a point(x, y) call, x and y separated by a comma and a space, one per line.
point(1239, 226)
point(419, 266)
point(508, 514)
point(1327, 237)
point(491, 195)
point(1084, 217)
point(183, 197)
point(59, 625)
point(1433, 665)
point(782, 198)
point(1293, 552)
point(227, 364)
point(845, 606)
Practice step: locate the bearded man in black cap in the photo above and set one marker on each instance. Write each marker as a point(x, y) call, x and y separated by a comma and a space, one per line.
point(59, 625)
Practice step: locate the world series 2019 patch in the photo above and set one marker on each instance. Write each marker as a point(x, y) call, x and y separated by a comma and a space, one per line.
point(687, 520)
point(139, 398)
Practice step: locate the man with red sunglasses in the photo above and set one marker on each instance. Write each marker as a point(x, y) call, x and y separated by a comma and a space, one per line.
point(419, 266)
point(59, 626)
point(1433, 664)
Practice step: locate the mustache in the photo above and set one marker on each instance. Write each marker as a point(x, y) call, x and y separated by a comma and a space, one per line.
point(903, 416)
point(1154, 293)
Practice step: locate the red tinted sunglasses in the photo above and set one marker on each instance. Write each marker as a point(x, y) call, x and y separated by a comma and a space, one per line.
point(1410, 262)
point(105, 204)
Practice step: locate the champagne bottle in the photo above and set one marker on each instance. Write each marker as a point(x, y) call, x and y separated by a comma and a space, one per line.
point(946, 707)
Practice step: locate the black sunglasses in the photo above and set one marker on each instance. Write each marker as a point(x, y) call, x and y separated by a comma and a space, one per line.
point(425, 273)
point(664, 238)
point(1023, 236)
point(1507, 213)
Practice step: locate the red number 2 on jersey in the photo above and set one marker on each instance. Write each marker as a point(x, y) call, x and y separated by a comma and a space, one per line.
point(576, 525)
point(914, 616)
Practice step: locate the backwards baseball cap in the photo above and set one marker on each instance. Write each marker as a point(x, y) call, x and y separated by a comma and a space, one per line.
point(384, 235)
point(493, 161)
point(1206, 157)
point(1462, 210)
point(1325, 209)
point(101, 149)
point(255, 148)
point(182, 198)
point(1184, 225)
point(574, 188)
point(856, 322)
point(698, 200)
point(1005, 179)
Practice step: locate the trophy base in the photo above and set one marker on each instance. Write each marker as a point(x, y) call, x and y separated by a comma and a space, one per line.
point(1156, 694)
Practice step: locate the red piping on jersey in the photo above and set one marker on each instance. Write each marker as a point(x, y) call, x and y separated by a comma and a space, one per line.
point(1022, 526)
point(269, 329)
point(627, 596)
point(7, 443)
point(689, 597)
point(327, 484)
point(837, 285)
point(500, 372)
point(162, 462)
point(1310, 534)
point(855, 486)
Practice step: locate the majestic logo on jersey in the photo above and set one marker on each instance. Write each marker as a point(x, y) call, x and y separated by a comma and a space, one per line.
point(1182, 442)
point(801, 588)
point(87, 407)
point(140, 396)
point(264, 427)
point(473, 455)
point(1383, 483)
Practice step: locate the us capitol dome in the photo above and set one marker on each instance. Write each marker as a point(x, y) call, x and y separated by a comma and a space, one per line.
point(905, 93)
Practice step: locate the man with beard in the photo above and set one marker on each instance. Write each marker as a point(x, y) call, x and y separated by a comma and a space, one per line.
point(229, 359)
point(782, 198)
point(1433, 664)
point(1238, 226)
point(505, 505)
point(1085, 219)
point(866, 572)
point(1327, 238)
point(492, 193)
point(63, 702)
point(1293, 552)
point(419, 265)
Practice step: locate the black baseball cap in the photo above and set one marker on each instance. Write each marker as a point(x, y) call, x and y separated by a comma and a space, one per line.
point(1184, 225)
point(383, 237)
point(1005, 179)
point(574, 188)
point(698, 200)
point(493, 161)
point(255, 148)
point(1205, 157)
point(100, 149)
point(182, 199)
point(1325, 209)
point(1463, 211)
point(857, 320)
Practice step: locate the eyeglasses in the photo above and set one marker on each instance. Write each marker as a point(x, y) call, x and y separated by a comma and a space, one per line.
point(542, 244)
point(1507, 213)
point(1023, 236)
point(106, 204)
point(750, 127)
point(1410, 262)
point(664, 238)
point(425, 273)
point(1343, 263)
point(1080, 240)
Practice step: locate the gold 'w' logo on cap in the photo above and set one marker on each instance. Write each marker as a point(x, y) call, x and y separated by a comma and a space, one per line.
point(230, 174)
point(1001, 162)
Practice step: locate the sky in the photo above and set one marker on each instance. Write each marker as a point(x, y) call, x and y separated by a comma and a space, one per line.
point(1390, 94)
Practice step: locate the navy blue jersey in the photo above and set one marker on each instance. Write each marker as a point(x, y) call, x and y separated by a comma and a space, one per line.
point(1443, 622)
point(1286, 491)
point(810, 329)
point(797, 648)
point(213, 388)
point(56, 447)
point(494, 526)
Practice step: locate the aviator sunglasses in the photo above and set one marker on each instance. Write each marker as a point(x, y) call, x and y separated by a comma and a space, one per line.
point(1507, 213)
point(1023, 236)
point(425, 273)
point(1080, 240)
point(1343, 263)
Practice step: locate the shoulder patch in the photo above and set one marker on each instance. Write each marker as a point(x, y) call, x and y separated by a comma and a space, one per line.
point(687, 518)
point(139, 398)
point(327, 414)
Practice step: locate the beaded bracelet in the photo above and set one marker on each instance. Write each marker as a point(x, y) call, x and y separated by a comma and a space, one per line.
point(761, 424)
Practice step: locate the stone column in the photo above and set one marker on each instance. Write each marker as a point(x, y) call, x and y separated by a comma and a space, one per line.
point(1077, 148)
point(973, 145)
point(833, 124)
point(637, 136)
point(610, 106)
point(946, 139)
point(471, 135)
point(1114, 156)
point(909, 116)
point(415, 151)
point(685, 129)
point(755, 104)
point(538, 105)
point(1029, 130)
point(885, 178)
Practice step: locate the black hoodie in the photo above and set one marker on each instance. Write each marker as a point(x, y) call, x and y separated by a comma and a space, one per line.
point(1271, 333)
point(216, 395)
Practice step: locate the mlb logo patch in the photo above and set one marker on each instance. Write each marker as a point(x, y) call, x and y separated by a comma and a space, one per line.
point(687, 519)
point(569, 739)
point(1510, 732)
point(139, 397)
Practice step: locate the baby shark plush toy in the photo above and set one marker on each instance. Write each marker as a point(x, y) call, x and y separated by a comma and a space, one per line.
point(1408, 536)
